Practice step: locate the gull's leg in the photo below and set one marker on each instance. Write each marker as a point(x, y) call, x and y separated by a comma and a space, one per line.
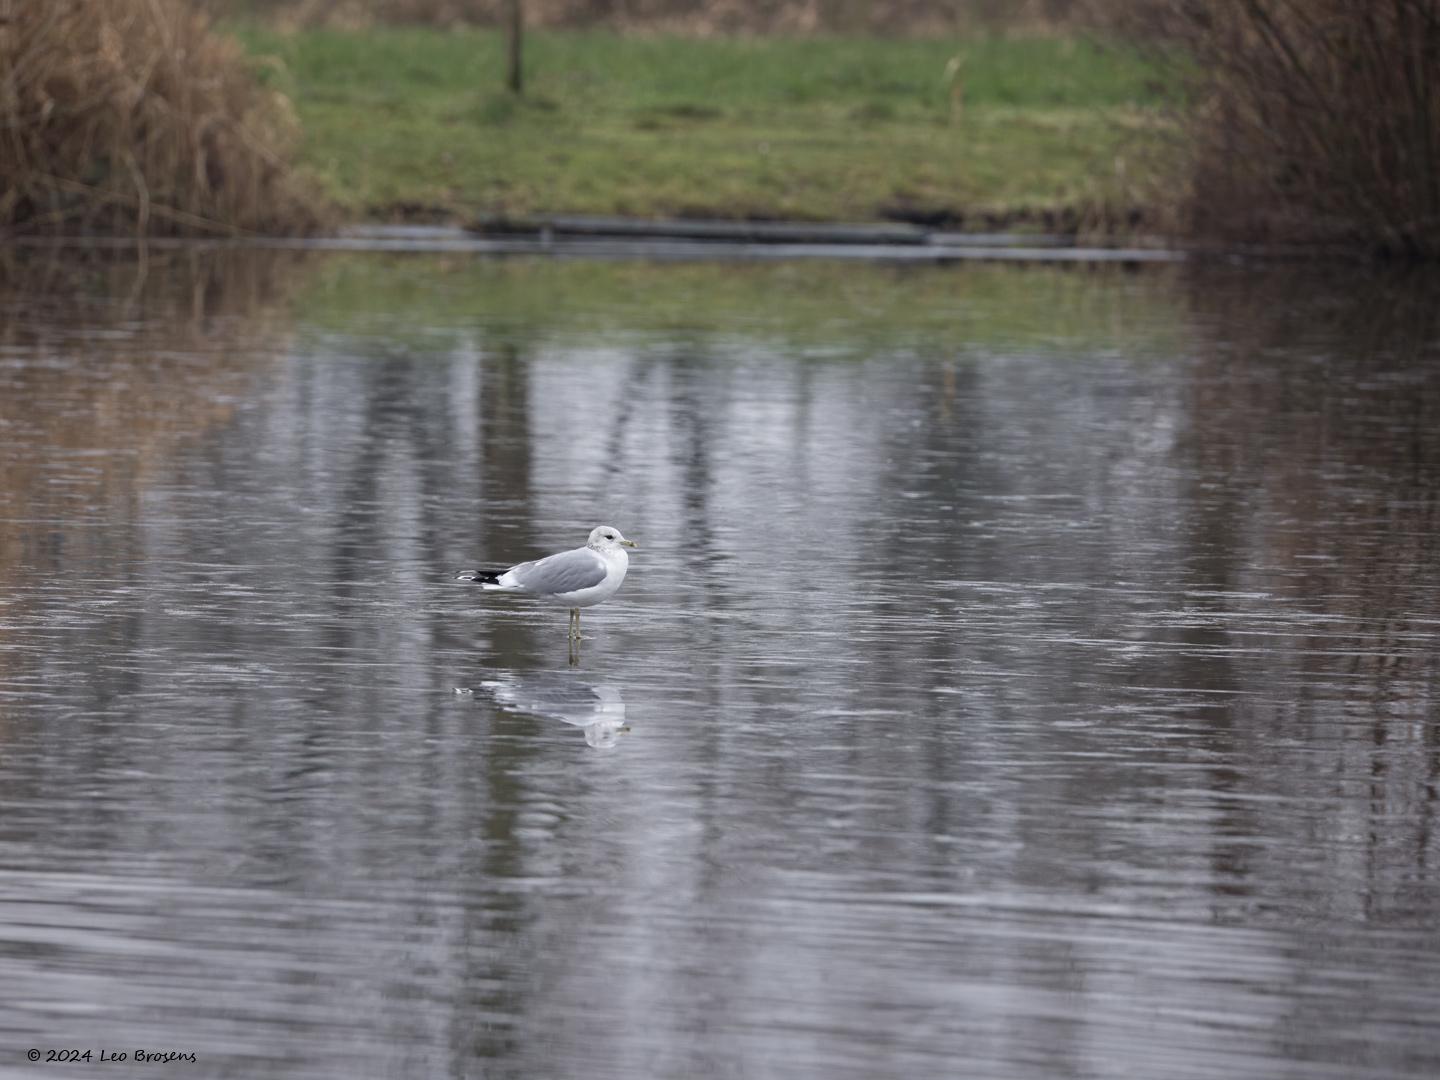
point(574, 624)
point(577, 624)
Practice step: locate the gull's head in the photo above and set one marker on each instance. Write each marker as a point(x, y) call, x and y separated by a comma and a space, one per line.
point(607, 538)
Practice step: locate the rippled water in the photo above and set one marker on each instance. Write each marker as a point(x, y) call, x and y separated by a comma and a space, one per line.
point(1025, 672)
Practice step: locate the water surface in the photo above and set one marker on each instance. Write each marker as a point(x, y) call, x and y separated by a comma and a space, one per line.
point(1026, 672)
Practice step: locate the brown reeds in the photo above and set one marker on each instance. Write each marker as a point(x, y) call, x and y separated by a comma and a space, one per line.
point(1310, 121)
point(133, 116)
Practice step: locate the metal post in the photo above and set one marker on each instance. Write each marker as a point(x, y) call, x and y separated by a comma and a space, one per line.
point(515, 42)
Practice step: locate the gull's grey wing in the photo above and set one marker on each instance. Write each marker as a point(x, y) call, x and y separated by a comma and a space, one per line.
point(563, 573)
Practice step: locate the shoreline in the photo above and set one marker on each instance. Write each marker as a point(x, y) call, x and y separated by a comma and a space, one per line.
point(636, 239)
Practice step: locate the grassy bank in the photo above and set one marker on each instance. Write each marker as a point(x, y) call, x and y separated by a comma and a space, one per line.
point(692, 18)
point(405, 122)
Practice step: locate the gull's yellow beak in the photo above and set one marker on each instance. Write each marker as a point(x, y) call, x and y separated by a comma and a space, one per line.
point(629, 543)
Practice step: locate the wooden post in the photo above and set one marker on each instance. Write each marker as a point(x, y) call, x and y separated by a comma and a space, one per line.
point(515, 42)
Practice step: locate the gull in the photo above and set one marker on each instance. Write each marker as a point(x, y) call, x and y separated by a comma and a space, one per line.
point(578, 578)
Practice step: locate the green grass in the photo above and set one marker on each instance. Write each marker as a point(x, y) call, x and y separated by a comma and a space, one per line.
point(414, 119)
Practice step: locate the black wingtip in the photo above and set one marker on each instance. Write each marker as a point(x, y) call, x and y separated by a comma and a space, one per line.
point(479, 577)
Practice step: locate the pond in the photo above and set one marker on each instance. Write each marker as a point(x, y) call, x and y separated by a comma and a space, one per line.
point(1025, 672)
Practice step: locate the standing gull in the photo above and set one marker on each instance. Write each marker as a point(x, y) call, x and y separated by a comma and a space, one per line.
point(579, 578)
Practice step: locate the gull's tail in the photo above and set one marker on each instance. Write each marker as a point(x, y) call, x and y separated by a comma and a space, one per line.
point(486, 579)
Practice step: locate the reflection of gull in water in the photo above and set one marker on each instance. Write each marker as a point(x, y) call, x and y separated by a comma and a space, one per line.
point(597, 709)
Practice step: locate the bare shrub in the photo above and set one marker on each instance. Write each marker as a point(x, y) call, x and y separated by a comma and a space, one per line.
point(1310, 121)
point(131, 115)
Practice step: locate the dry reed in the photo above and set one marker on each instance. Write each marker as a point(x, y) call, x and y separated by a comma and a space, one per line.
point(133, 116)
point(1310, 121)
